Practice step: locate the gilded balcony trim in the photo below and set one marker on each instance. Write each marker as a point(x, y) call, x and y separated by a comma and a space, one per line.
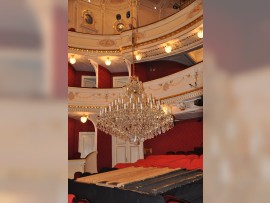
point(183, 93)
point(96, 108)
point(139, 44)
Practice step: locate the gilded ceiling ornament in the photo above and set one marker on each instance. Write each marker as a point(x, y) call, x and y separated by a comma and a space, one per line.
point(71, 96)
point(166, 86)
point(107, 43)
point(195, 10)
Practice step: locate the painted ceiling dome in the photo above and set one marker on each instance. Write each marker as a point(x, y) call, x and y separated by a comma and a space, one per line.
point(105, 16)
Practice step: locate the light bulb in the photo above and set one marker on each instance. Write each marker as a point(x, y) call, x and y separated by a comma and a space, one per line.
point(83, 119)
point(168, 48)
point(72, 60)
point(108, 61)
point(138, 56)
point(200, 34)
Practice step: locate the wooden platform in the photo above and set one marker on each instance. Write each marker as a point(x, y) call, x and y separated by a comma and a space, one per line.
point(150, 181)
point(121, 177)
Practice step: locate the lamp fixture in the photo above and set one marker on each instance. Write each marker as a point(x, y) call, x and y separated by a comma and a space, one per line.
point(134, 116)
point(108, 61)
point(138, 56)
point(84, 118)
point(200, 33)
point(72, 59)
point(168, 48)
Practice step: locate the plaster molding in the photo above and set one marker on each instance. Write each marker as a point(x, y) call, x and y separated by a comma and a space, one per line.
point(164, 88)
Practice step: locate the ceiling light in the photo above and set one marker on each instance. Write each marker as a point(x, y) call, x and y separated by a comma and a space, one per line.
point(108, 61)
point(155, 7)
point(168, 48)
point(89, 1)
point(72, 60)
point(138, 56)
point(200, 33)
point(84, 119)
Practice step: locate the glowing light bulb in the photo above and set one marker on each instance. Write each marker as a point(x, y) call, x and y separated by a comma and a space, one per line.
point(138, 56)
point(108, 61)
point(84, 119)
point(168, 48)
point(200, 34)
point(72, 60)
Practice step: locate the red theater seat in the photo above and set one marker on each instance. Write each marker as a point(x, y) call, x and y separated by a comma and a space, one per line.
point(182, 163)
point(173, 199)
point(196, 164)
point(70, 198)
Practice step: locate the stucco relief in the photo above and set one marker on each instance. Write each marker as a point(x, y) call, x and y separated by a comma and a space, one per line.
point(138, 36)
point(71, 96)
point(167, 85)
point(88, 21)
point(195, 10)
point(107, 43)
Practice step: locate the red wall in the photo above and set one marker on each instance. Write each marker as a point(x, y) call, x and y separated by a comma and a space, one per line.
point(104, 142)
point(78, 77)
point(71, 75)
point(74, 127)
point(145, 71)
point(104, 77)
point(184, 136)
point(104, 148)
point(118, 74)
point(75, 77)
point(156, 69)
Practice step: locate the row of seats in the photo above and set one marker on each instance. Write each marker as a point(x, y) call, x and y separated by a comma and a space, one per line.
point(188, 162)
point(167, 199)
point(73, 199)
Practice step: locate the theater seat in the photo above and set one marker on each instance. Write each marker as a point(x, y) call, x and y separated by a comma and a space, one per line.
point(196, 164)
point(77, 174)
point(70, 198)
point(173, 199)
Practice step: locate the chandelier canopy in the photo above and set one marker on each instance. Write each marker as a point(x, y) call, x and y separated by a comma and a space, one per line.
point(134, 116)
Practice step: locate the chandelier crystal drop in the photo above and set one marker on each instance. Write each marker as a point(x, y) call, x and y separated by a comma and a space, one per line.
point(134, 116)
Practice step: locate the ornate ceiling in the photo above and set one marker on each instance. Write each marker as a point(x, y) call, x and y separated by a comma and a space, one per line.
point(93, 42)
point(103, 16)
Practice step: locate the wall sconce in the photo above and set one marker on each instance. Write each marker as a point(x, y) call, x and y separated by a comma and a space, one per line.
point(138, 56)
point(84, 119)
point(200, 33)
point(168, 48)
point(72, 60)
point(108, 61)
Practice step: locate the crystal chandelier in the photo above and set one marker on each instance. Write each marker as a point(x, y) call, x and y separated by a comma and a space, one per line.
point(134, 116)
